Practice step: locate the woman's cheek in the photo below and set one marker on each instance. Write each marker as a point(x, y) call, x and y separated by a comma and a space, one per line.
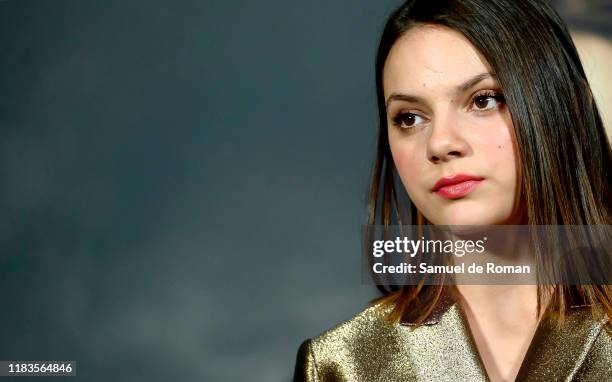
point(503, 165)
point(405, 160)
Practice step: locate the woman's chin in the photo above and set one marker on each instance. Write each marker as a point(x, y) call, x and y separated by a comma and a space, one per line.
point(468, 218)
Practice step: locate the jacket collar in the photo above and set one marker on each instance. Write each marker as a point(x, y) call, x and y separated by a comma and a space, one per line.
point(564, 345)
point(444, 303)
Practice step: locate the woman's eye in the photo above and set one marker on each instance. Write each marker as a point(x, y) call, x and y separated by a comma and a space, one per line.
point(407, 120)
point(487, 102)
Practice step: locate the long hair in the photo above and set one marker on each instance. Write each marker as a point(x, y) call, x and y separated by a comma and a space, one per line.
point(565, 155)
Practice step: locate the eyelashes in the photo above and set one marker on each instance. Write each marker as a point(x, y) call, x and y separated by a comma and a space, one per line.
point(411, 118)
point(487, 96)
point(482, 102)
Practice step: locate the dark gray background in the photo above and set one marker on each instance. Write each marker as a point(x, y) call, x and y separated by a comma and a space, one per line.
point(184, 182)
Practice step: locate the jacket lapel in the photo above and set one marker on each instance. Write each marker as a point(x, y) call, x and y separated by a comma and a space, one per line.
point(443, 350)
point(558, 350)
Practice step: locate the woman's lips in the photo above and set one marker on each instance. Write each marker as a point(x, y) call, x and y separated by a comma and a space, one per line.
point(457, 186)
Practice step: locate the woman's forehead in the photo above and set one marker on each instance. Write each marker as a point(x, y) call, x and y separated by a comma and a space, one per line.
point(431, 56)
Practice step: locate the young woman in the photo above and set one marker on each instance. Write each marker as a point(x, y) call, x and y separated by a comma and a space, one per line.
point(490, 98)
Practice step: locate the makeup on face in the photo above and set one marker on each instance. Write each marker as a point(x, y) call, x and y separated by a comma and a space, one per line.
point(450, 132)
point(456, 186)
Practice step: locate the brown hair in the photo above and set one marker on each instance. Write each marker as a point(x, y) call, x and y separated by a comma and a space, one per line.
point(565, 153)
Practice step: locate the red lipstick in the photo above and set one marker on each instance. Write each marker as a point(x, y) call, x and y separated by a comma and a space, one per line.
point(457, 186)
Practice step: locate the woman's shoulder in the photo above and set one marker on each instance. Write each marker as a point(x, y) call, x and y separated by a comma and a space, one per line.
point(354, 349)
point(367, 347)
point(366, 323)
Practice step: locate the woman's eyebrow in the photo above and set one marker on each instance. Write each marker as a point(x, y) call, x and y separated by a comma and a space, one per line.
point(467, 85)
point(404, 97)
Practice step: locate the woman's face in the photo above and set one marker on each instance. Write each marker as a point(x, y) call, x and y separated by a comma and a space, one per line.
point(450, 133)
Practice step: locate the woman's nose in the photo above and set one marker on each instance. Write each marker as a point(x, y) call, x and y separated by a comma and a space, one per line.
point(445, 142)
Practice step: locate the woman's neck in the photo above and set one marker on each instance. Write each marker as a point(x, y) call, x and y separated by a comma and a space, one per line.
point(503, 320)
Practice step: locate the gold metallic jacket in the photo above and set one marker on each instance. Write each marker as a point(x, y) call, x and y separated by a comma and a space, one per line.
point(366, 348)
